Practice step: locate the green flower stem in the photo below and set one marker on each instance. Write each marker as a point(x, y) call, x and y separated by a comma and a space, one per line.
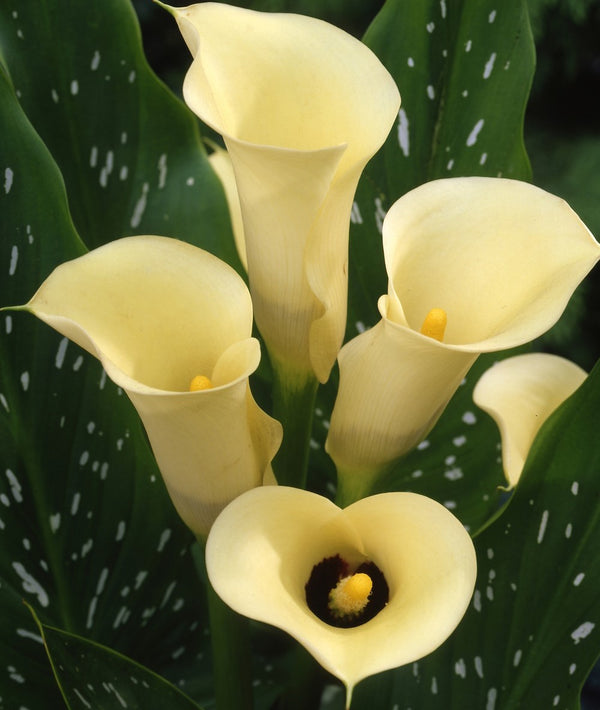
point(230, 646)
point(293, 406)
point(305, 687)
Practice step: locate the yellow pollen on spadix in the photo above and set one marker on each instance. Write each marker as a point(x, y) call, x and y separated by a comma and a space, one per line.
point(350, 595)
point(434, 324)
point(200, 382)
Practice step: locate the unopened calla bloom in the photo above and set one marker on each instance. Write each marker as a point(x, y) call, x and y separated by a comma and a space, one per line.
point(302, 106)
point(371, 587)
point(520, 393)
point(164, 317)
point(474, 265)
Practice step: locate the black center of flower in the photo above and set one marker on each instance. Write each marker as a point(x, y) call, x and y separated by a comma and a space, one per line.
point(324, 578)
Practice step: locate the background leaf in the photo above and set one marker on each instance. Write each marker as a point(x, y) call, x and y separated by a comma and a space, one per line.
point(93, 676)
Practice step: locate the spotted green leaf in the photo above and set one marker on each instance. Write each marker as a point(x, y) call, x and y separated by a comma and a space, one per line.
point(92, 676)
point(531, 634)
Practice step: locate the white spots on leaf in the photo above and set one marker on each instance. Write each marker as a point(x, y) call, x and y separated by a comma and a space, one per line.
point(8, 324)
point(131, 77)
point(542, 528)
point(491, 699)
point(101, 584)
point(572, 668)
point(5, 500)
point(4, 403)
point(14, 258)
point(468, 46)
point(460, 668)
point(416, 474)
point(169, 590)
point(54, 522)
point(411, 62)
point(483, 158)
point(93, 156)
point(78, 363)
point(469, 418)
point(84, 458)
point(24, 381)
point(489, 66)
point(578, 579)
point(80, 696)
point(443, 9)
point(430, 92)
point(472, 137)
point(91, 611)
point(403, 134)
point(162, 171)
point(139, 579)
point(164, 538)
point(425, 444)
point(95, 63)
point(477, 600)
point(8, 179)
point(478, 663)
point(575, 488)
point(490, 556)
point(123, 173)
point(459, 440)
point(54, 95)
point(450, 164)
point(492, 16)
point(379, 214)
point(434, 686)
point(123, 137)
point(582, 631)
point(430, 26)
point(15, 486)
point(517, 657)
point(453, 474)
point(75, 503)
point(103, 471)
point(121, 527)
point(14, 675)
point(489, 593)
point(465, 93)
point(450, 504)
point(120, 619)
point(26, 634)
point(74, 87)
point(140, 207)
point(31, 585)
point(86, 547)
point(355, 215)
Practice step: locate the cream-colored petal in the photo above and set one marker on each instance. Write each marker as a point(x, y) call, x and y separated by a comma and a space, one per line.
point(501, 257)
point(302, 107)
point(161, 310)
point(221, 164)
point(262, 548)
point(156, 312)
point(394, 384)
point(520, 393)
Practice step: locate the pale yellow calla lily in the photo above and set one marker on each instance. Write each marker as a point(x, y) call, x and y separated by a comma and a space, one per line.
point(501, 258)
point(221, 163)
point(302, 106)
point(157, 312)
point(520, 393)
point(263, 549)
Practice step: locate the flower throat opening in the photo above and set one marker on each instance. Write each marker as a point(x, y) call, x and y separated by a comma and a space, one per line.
point(343, 598)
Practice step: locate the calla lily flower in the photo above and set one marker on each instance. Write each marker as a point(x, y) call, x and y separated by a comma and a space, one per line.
point(302, 106)
point(160, 314)
point(371, 587)
point(474, 265)
point(520, 393)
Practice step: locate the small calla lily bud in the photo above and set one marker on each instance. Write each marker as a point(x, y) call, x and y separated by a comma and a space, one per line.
point(520, 393)
point(171, 324)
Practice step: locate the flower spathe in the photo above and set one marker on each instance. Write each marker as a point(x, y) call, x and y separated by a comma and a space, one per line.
point(157, 312)
point(501, 258)
point(520, 393)
point(263, 547)
point(302, 107)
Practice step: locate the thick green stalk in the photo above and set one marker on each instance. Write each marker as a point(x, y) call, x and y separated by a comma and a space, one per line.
point(294, 406)
point(230, 647)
